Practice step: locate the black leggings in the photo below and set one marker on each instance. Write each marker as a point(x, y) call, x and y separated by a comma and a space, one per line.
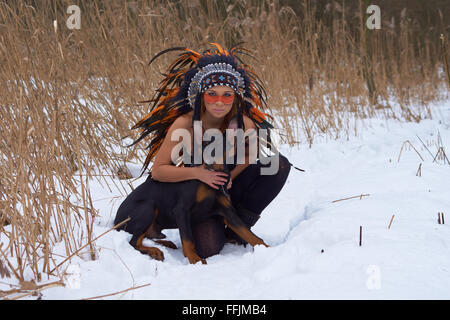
point(250, 190)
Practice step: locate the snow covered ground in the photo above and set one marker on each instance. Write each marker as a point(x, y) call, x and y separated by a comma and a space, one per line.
point(314, 242)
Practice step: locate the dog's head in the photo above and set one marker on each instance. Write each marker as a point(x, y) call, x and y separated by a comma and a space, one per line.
point(228, 152)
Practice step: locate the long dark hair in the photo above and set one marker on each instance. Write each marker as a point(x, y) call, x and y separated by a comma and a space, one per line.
point(171, 99)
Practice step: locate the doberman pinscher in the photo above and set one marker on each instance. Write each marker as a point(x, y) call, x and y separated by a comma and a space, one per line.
point(164, 205)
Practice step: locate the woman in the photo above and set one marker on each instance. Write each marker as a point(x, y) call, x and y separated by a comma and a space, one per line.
point(210, 89)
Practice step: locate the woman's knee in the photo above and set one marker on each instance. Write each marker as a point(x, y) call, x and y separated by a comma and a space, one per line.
point(284, 166)
point(279, 167)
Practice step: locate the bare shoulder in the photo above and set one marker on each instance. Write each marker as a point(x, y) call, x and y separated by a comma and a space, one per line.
point(183, 121)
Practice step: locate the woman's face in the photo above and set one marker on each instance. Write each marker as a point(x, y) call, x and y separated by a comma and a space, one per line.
point(218, 101)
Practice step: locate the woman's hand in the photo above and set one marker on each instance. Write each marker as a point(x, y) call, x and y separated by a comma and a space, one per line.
point(214, 179)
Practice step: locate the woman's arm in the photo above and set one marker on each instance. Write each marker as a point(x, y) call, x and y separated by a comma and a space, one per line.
point(163, 169)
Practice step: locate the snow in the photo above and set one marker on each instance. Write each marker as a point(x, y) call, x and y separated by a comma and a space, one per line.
point(314, 242)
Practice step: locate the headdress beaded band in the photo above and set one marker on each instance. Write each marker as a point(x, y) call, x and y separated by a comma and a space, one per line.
point(187, 78)
point(216, 74)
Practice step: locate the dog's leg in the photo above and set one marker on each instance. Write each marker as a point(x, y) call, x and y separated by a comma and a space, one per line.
point(154, 232)
point(155, 253)
point(166, 243)
point(183, 220)
point(232, 220)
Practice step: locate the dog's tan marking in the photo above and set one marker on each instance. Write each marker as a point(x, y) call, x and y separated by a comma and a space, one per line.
point(153, 252)
point(218, 166)
point(203, 191)
point(190, 253)
point(246, 235)
point(167, 243)
point(224, 201)
point(154, 231)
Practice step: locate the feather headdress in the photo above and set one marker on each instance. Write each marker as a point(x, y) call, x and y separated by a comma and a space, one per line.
point(187, 77)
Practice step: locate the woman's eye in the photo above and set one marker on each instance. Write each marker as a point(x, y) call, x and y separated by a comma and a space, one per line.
point(227, 94)
point(211, 93)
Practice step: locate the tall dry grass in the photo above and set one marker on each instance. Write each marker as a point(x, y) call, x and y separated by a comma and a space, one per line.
point(68, 96)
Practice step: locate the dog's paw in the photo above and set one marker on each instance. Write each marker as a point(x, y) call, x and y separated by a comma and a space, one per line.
point(167, 243)
point(194, 259)
point(259, 242)
point(155, 253)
